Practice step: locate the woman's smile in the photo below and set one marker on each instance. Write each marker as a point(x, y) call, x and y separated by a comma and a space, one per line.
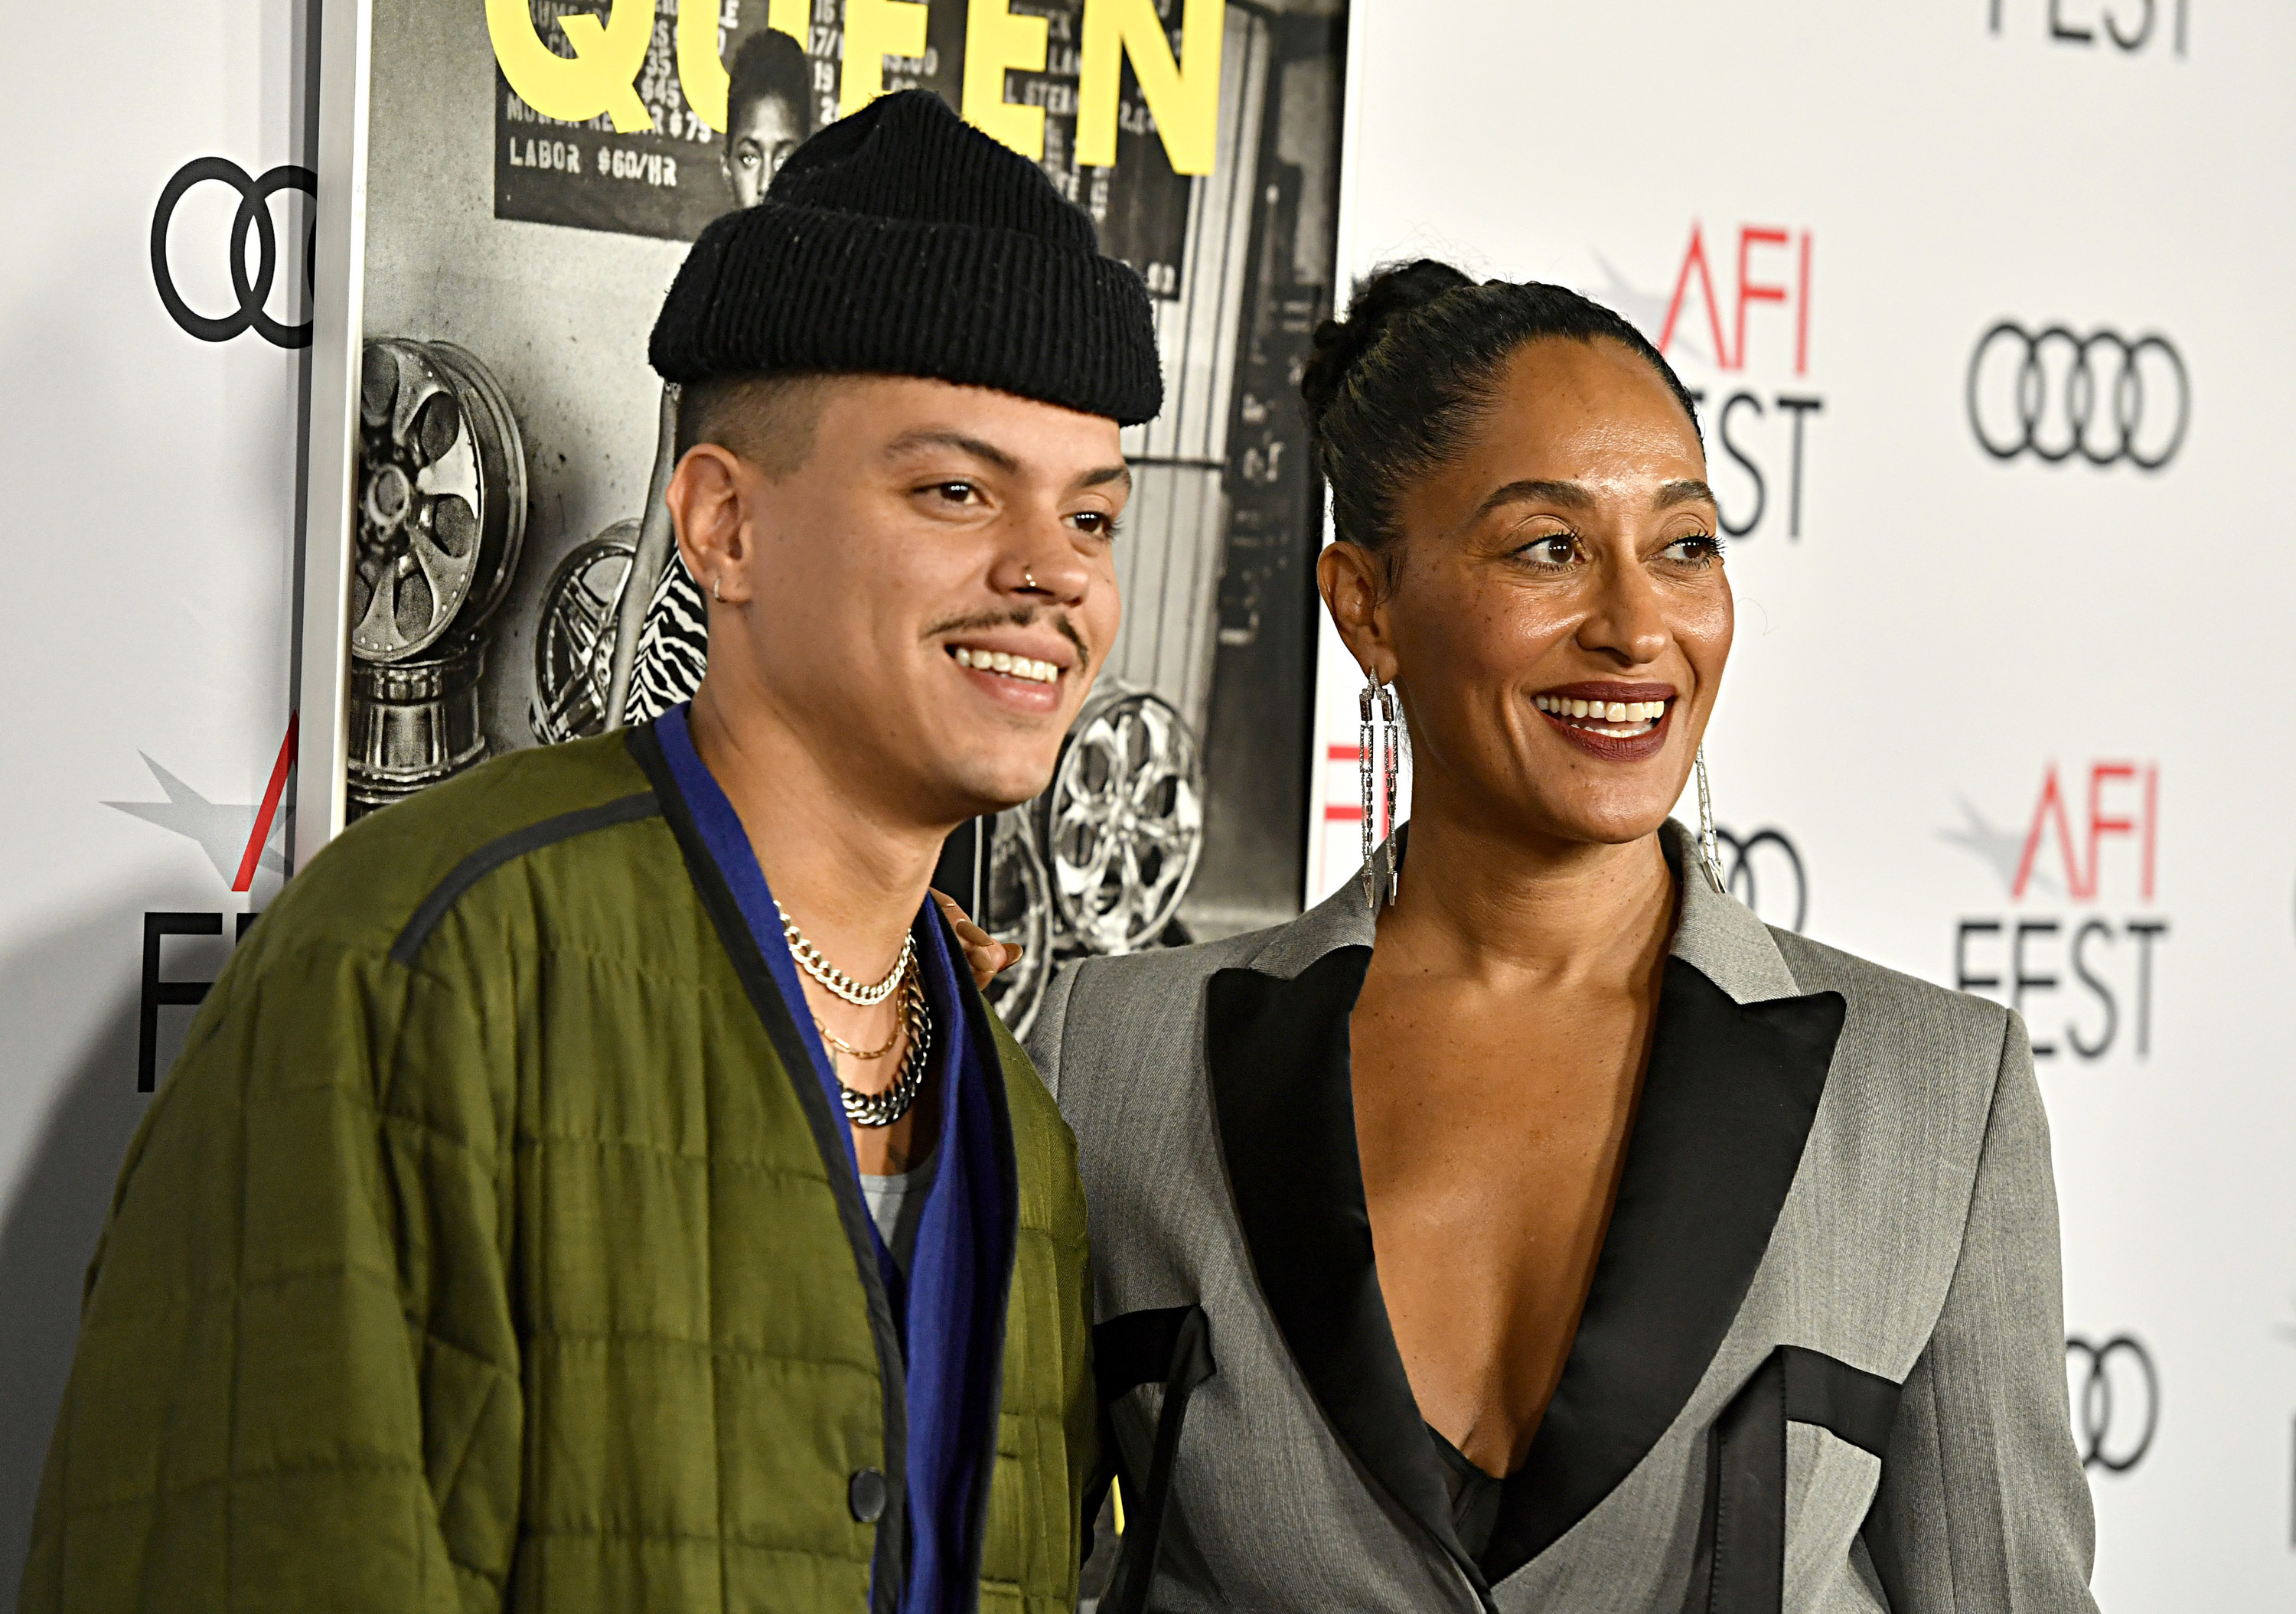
point(1612, 722)
point(1617, 722)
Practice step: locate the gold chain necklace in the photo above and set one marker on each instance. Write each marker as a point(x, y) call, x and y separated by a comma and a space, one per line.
point(884, 1109)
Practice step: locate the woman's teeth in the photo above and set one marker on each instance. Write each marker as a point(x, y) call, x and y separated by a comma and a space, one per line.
point(1617, 719)
point(1014, 667)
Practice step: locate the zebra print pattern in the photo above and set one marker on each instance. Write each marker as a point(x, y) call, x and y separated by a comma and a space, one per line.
point(672, 647)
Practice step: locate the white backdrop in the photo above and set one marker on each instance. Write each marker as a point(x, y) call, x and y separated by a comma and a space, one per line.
point(1946, 628)
point(151, 499)
point(1949, 627)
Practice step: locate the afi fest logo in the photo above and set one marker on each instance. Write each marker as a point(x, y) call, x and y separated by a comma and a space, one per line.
point(2128, 27)
point(1740, 310)
point(595, 79)
point(236, 837)
point(2074, 954)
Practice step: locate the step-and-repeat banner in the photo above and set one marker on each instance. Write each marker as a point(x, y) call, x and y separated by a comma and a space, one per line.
point(154, 309)
point(1987, 302)
point(1983, 301)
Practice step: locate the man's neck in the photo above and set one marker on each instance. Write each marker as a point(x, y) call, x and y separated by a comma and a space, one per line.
point(851, 873)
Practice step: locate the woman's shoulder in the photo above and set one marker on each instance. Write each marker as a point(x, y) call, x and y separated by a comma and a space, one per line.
point(1138, 1000)
point(1890, 1009)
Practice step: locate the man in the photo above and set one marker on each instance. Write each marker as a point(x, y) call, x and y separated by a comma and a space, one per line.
point(501, 1238)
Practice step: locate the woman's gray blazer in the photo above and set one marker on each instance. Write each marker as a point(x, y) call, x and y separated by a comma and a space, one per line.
point(1821, 1363)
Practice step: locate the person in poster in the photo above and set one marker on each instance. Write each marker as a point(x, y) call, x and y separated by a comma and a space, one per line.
point(595, 1184)
point(659, 655)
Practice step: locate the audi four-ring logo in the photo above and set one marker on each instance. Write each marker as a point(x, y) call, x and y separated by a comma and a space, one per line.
point(1763, 868)
point(2116, 1399)
point(2053, 394)
point(254, 214)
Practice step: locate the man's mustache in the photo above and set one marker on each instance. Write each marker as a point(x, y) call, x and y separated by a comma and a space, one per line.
point(1017, 616)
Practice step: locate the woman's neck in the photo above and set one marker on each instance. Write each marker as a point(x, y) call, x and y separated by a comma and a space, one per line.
point(1507, 907)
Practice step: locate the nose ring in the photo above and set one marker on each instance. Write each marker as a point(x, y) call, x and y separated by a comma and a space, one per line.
point(1030, 578)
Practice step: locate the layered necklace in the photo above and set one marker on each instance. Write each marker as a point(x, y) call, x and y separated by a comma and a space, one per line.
point(873, 1108)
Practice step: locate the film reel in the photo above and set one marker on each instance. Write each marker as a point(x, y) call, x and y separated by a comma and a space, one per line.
point(442, 497)
point(574, 640)
point(1122, 824)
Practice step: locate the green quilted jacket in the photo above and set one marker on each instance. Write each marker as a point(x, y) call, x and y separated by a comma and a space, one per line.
point(480, 1253)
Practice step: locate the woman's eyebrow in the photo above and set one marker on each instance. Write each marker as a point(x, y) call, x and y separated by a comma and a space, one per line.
point(1539, 491)
point(1682, 493)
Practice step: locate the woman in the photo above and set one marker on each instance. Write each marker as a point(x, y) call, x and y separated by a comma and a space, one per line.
point(1553, 1235)
point(661, 632)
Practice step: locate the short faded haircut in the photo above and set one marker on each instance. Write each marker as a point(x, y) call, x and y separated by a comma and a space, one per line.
point(766, 419)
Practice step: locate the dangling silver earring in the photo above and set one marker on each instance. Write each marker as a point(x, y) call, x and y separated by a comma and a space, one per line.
point(1389, 761)
point(1390, 764)
point(1710, 850)
point(1364, 763)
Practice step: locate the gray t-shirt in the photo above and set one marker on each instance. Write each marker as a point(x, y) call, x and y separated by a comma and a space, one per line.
point(896, 1204)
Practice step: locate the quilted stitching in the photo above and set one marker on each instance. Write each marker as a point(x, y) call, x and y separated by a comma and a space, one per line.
point(512, 1279)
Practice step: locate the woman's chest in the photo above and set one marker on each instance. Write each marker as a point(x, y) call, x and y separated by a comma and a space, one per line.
point(1491, 1159)
point(1509, 1119)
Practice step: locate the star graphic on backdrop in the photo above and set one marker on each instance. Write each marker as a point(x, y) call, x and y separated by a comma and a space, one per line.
point(1644, 310)
point(2003, 849)
point(220, 827)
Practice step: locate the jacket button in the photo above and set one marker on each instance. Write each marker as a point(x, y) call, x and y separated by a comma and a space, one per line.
point(866, 1496)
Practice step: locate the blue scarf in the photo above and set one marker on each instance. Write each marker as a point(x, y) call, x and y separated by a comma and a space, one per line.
point(949, 1306)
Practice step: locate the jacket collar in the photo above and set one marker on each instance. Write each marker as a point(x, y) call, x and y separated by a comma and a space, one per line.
point(1738, 1063)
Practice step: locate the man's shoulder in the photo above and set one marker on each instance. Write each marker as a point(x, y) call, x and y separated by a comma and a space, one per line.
point(386, 878)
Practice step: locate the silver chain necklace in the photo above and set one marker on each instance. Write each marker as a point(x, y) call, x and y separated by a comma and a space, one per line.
point(884, 1109)
point(809, 959)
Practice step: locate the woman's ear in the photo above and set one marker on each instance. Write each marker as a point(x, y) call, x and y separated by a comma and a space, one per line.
point(712, 515)
point(1353, 585)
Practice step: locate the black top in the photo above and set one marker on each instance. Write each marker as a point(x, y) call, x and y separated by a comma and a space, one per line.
point(1474, 1497)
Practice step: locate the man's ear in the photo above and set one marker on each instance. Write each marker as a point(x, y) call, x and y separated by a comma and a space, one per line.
point(1353, 582)
point(708, 509)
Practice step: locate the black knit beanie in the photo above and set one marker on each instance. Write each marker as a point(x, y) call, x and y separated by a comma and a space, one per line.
point(901, 240)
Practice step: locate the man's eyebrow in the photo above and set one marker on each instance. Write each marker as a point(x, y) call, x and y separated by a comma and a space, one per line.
point(989, 454)
point(1528, 492)
point(942, 437)
point(1684, 492)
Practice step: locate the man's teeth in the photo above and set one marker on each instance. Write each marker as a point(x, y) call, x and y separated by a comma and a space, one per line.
point(1636, 715)
point(1015, 666)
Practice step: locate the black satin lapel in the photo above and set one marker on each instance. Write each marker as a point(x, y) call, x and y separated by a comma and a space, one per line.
point(1277, 1052)
point(1726, 1106)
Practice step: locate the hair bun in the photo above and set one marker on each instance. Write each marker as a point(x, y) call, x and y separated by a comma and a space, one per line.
point(1392, 291)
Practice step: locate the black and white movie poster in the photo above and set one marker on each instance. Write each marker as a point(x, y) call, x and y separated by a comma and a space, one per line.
point(536, 169)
